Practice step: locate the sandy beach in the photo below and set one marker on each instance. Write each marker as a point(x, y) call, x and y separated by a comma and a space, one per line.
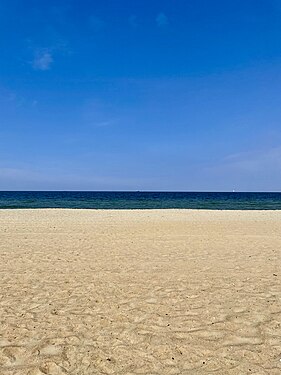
point(140, 292)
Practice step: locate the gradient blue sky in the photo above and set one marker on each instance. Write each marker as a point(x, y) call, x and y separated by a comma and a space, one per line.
point(140, 95)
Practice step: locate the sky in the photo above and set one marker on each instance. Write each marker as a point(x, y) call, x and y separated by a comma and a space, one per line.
point(180, 95)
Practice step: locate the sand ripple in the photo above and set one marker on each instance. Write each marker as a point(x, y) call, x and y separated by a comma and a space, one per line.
point(140, 292)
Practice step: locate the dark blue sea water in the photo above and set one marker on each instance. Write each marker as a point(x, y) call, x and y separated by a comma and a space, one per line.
point(140, 200)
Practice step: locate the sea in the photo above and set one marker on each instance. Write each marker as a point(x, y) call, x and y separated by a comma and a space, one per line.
point(140, 200)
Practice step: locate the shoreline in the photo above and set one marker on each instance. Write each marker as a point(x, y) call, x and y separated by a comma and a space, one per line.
point(138, 209)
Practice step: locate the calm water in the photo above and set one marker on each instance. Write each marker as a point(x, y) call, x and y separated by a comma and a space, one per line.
point(141, 200)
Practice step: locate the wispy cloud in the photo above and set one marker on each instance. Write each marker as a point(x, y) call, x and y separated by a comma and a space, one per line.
point(12, 99)
point(257, 170)
point(162, 20)
point(42, 60)
point(257, 161)
point(104, 123)
point(44, 56)
point(28, 178)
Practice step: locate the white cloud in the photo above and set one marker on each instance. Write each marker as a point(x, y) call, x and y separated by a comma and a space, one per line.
point(42, 60)
point(162, 20)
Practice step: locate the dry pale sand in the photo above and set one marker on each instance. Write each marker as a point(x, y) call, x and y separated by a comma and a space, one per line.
point(140, 292)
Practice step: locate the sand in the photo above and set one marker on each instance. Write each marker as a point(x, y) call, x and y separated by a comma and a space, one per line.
point(140, 292)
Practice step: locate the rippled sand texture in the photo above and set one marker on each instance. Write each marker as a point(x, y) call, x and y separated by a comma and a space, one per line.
point(140, 292)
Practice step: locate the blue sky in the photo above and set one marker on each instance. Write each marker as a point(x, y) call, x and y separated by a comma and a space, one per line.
point(140, 95)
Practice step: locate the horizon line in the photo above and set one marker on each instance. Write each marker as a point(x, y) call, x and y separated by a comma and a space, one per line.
point(141, 191)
